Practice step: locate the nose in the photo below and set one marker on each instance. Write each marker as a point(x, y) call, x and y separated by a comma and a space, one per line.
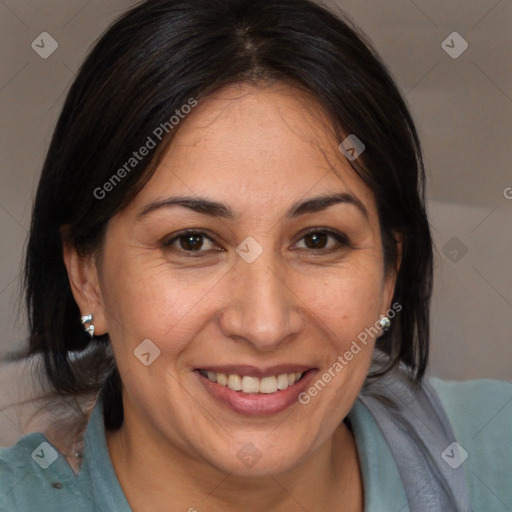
point(262, 309)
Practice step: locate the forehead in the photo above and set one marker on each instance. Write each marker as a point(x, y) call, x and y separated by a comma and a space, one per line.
point(259, 146)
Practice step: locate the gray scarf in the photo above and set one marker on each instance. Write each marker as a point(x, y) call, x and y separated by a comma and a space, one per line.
point(417, 431)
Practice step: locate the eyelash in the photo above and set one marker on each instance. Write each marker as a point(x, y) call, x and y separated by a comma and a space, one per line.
point(342, 242)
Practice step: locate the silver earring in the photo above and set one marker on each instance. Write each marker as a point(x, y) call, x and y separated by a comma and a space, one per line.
point(385, 323)
point(87, 319)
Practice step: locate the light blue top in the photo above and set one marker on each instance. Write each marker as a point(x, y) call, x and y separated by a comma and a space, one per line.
point(35, 477)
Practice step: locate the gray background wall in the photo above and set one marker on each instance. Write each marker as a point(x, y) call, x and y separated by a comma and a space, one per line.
point(462, 106)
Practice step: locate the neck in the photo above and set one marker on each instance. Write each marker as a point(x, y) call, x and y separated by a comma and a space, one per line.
point(328, 479)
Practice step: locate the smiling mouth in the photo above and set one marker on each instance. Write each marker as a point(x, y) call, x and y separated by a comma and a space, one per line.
point(254, 385)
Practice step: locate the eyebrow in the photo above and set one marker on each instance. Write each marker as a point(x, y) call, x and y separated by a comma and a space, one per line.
point(216, 209)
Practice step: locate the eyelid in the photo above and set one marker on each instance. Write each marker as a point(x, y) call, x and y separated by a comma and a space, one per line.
point(169, 240)
point(340, 237)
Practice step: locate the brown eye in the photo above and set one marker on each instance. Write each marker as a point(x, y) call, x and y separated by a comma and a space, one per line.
point(191, 242)
point(323, 240)
point(316, 240)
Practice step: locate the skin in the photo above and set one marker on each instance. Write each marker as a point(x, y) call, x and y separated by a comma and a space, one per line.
point(258, 150)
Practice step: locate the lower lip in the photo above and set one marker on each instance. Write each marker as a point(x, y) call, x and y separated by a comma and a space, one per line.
point(257, 404)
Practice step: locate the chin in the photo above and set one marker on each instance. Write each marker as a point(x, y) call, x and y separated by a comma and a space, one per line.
point(258, 457)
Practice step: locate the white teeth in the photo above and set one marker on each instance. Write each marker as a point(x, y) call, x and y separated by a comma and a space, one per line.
point(268, 385)
point(282, 381)
point(249, 384)
point(234, 382)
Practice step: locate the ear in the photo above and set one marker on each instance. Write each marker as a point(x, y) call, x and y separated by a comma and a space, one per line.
point(84, 281)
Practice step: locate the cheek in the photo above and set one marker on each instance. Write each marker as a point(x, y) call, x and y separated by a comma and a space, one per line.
point(347, 300)
point(149, 301)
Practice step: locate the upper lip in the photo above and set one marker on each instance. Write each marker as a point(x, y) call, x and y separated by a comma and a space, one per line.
point(255, 371)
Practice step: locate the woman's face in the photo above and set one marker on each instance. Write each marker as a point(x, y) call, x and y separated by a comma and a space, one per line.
point(280, 269)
